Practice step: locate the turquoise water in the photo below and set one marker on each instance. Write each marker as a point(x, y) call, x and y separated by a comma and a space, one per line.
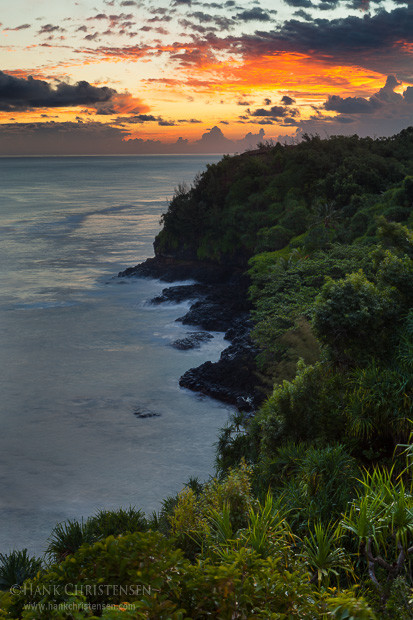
point(81, 350)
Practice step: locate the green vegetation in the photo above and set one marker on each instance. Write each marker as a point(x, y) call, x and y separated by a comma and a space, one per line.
point(228, 552)
point(310, 514)
point(67, 537)
point(16, 567)
point(310, 195)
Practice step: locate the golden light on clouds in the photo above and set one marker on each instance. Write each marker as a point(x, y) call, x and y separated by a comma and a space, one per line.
point(178, 70)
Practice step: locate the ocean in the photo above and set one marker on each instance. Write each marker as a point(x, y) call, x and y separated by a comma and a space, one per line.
point(81, 350)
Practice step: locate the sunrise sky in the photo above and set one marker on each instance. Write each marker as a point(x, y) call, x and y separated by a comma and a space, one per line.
point(127, 76)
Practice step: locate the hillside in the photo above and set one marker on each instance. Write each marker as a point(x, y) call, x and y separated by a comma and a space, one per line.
point(308, 195)
point(310, 514)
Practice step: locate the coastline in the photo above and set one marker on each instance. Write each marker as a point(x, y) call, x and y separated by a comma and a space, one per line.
point(219, 302)
point(83, 352)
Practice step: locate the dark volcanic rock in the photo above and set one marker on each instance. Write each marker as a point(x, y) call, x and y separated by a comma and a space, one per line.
point(208, 315)
point(222, 305)
point(170, 270)
point(146, 413)
point(177, 294)
point(233, 378)
point(193, 340)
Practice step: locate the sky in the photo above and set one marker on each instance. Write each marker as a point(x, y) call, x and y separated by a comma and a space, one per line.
point(187, 76)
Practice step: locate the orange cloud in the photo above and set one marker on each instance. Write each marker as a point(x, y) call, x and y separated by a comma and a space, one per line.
point(121, 103)
point(116, 54)
point(287, 71)
point(197, 65)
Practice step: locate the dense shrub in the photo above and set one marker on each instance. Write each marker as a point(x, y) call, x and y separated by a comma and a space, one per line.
point(296, 219)
point(275, 238)
point(146, 565)
point(67, 537)
point(306, 408)
point(353, 315)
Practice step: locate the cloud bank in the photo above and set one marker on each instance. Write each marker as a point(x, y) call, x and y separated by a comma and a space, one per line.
point(17, 94)
point(94, 138)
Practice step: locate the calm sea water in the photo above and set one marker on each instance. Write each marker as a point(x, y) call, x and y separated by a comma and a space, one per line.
point(81, 350)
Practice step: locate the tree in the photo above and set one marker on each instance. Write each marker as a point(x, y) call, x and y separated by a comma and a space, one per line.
point(351, 315)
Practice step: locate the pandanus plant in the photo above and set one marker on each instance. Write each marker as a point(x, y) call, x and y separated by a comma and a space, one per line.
point(324, 555)
point(267, 529)
point(16, 567)
point(381, 519)
point(267, 526)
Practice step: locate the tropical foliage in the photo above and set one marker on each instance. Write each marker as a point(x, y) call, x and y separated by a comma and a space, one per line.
point(310, 514)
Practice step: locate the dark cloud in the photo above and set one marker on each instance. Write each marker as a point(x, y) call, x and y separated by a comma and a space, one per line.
point(408, 94)
point(24, 94)
point(222, 22)
point(210, 5)
point(305, 4)
point(376, 42)
point(158, 30)
point(363, 5)
point(286, 100)
point(50, 28)
point(345, 120)
point(214, 136)
point(120, 17)
point(99, 16)
point(22, 27)
point(275, 112)
point(160, 11)
point(303, 15)
point(328, 5)
point(387, 94)
point(352, 105)
point(255, 14)
point(214, 141)
point(114, 20)
point(163, 18)
point(190, 120)
point(202, 17)
point(147, 118)
point(290, 121)
point(190, 57)
point(267, 121)
point(267, 101)
point(384, 114)
point(189, 25)
point(119, 24)
point(136, 119)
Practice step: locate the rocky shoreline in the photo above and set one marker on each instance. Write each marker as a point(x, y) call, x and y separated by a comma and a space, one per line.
point(220, 303)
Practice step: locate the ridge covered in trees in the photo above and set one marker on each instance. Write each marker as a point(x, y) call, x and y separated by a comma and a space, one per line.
point(310, 514)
